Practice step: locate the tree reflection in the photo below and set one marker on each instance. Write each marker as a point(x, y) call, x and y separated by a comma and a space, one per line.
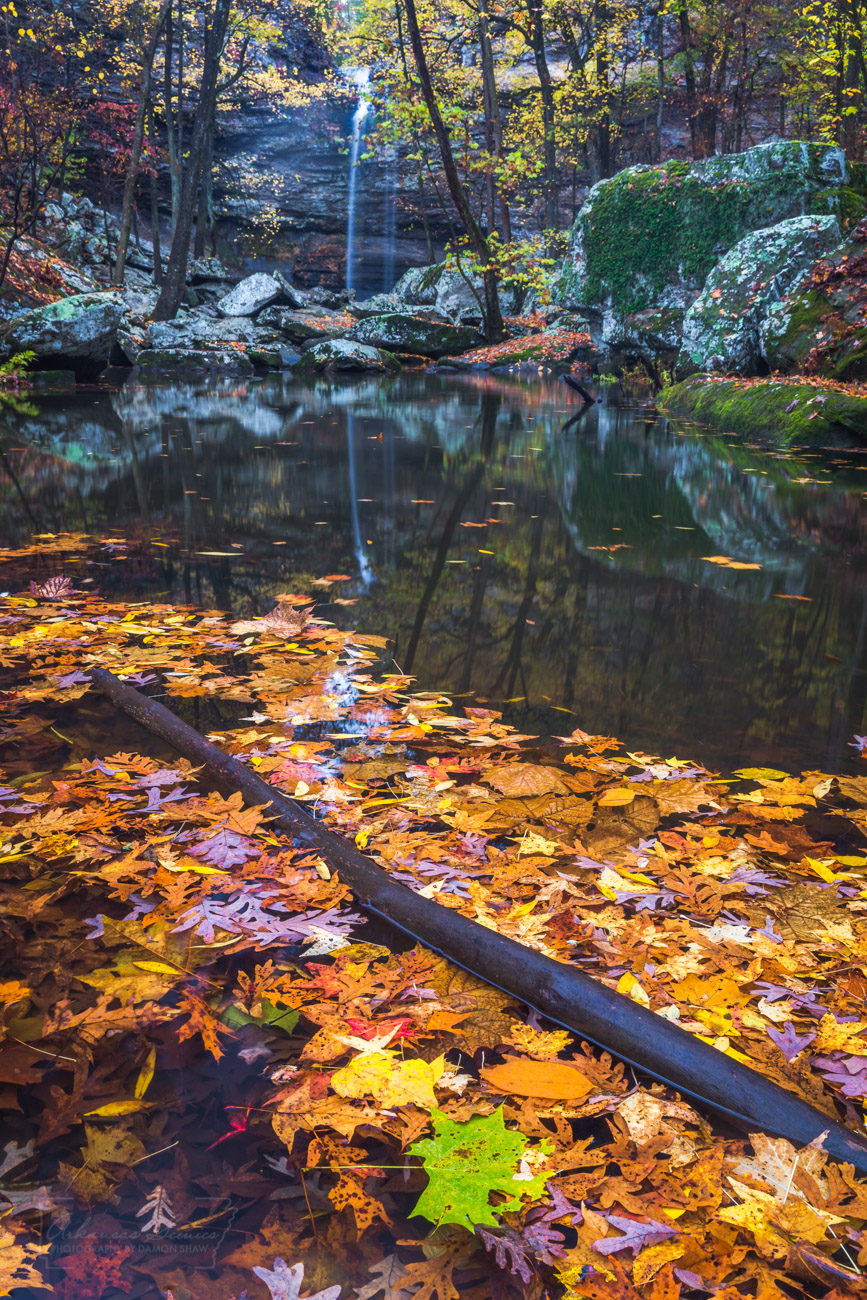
point(561, 565)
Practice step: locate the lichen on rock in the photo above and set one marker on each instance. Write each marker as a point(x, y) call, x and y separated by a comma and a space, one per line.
point(647, 239)
point(722, 329)
point(346, 354)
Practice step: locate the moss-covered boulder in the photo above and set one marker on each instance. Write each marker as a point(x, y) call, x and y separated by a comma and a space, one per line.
point(722, 329)
point(786, 410)
point(648, 238)
point(820, 327)
point(418, 335)
point(181, 361)
point(346, 354)
point(76, 333)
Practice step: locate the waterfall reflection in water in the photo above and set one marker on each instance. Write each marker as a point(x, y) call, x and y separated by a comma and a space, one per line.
point(560, 575)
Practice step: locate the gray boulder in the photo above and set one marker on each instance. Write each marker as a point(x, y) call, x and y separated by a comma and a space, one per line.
point(646, 240)
point(250, 296)
point(820, 327)
point(312, 323)
point(402, 332)
point(722, 329)
point(206, 270)
point(344, 354)
point(453, 294)
point(76, 333)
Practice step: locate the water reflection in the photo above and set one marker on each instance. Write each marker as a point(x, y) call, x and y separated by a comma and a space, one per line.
point(555, 567)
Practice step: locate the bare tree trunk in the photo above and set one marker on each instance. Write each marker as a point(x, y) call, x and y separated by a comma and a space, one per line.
point(203, 213)
point(148, 57)
point(173, 286)
point(171, 134)
point(493, 126)
point(603, 66)
point(660, 81)
point(688, 70)
point(155, 204)
point(493, 316)
point(546, 88)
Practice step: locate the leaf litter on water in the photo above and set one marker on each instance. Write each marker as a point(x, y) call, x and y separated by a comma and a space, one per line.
point(198, 1027)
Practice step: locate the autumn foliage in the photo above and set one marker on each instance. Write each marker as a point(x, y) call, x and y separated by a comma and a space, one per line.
point(218, 1077)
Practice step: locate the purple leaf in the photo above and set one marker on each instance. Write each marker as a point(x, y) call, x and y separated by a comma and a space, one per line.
point(788, 1041)
point(538, 1240)
point(76, 678)
point(561, 1208)
point(806, 999)
point(165, 776)
point(753, 879)
point(284, 1282)
point(692, 1280)
point(769, 932)
point(226, 848)
point(635, 1235)
point(848, 1073)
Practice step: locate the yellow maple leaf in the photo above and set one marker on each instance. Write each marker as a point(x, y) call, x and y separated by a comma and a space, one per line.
point(653, 1258)
point(389, 1080)
point(834, 1037)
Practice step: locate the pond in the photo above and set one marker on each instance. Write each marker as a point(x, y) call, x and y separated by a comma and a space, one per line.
point(550, 564)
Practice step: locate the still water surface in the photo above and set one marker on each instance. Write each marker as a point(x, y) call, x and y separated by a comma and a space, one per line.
point(556, 569)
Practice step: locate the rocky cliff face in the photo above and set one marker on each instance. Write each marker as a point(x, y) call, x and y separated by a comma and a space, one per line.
point(283, 195)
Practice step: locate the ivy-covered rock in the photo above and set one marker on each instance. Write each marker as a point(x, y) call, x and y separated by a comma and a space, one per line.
point(76, 333)
point(722, 329)
point(402, 332)
point(786, 410)
point(647, 239)
point(821, 326)
point(346, 354)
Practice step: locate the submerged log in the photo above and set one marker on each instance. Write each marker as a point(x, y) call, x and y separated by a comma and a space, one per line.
point(572, 382)
point(562, 994)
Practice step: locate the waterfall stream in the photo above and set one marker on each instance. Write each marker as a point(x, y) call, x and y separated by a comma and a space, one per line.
point(361, 78)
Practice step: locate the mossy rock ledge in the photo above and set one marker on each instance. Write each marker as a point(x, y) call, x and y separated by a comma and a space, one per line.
point(646, 240)
point(784, 409)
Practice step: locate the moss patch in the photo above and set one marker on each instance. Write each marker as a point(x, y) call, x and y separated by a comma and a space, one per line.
point(787, 410)
point(653, 227)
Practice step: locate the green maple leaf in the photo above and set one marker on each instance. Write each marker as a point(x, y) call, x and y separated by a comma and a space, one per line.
point(465, 1162)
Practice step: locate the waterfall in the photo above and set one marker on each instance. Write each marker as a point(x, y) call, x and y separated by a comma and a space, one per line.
point(389, 223)
point(361, 78)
